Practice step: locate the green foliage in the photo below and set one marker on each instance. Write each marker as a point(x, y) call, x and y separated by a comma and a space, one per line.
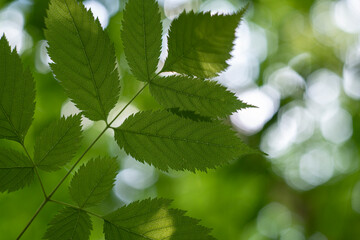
point(141, 36)
point(69, 224)
point(186, 135)
point(58, 143)
point(199, 44)
point(16, 170)
point(204, 97)
point(17, 95)
point(169, 141)
point(152, 219)
point(84, 58)
point(93, 182)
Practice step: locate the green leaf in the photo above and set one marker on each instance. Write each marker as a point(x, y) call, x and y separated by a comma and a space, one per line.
point(204, 97)
point(152, 219)
point(189, 115)
point(199, 44)
point(141, 36)
point(17, 95)
point(16, 170)
point(69, 224)
point(84, 58)
point(58, 143)
point(93, 182)
point(169, 141)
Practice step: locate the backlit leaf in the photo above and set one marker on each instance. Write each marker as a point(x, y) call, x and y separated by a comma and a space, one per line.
point(152, 219)
point(169, 141)
point(58, 143)
point(93, 182)
point(84, 58)
point(16, 170)
point(69, 224)
point(141, 37)
point(200, 43)
point(17, 94)
point(204, 97)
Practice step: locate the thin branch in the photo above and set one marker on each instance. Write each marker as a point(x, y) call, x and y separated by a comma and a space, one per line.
point(76, 207)
point(35, 169)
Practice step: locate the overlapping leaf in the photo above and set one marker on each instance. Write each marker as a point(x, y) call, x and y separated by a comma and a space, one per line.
point(84, 58)
point(17, 94)
point(169, 141)
point(69, 224)
point(199, 44)
point(152, 219)
point(58, 143)
point(204, 97)
point(141, 36)
point(92, 182)
point(16, 170)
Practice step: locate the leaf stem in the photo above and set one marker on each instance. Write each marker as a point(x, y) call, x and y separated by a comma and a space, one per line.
point(35, 169)
point(48, 198)
point(76, 207)
point(32, 219)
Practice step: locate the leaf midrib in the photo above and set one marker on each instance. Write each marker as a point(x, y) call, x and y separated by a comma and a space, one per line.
point(179, 139)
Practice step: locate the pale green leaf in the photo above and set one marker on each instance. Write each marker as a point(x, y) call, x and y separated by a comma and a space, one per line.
point(16, 170)
point(200, 44)
point(17, 95)
point(93, 182)
point(204, 97)
point(58, 143)
point(141, 37)
point(169, 141)
point(152, 219)
point(69, 224)
point(84, 58)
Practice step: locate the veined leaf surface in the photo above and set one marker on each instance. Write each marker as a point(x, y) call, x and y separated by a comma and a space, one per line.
point(204, 97)
point(16, 170)
point(199, 44)
point(93, 182)
point(141, 36)
point(58, 143)
point(169, 141)
point(152, 219)
point(69, 224)
point(84, 58)
point(17, 95)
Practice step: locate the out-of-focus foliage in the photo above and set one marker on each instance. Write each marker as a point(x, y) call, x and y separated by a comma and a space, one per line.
point(297, 61)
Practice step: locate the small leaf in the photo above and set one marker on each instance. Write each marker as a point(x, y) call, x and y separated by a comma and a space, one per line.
point(58, 143)
point(16, 170)
point(141, 36)
point(152, 219)
point(17, 95)
point(169, 141)
point(84, 58)
point(69, 224)
point(93, 182)
point(204, 97)
point(199, 44)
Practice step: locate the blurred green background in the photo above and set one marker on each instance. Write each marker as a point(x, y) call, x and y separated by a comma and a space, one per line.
point(297, 60)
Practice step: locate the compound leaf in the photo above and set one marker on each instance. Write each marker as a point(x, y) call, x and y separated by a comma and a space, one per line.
point(69, 224)
point(16, 170)
point(84, 58)
point(92, 182)
point(199, 44)
point(204, 97)
point(141, 36)
point(17, 95)
point(169, 141)
point(152, 219)
point(58, 143)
